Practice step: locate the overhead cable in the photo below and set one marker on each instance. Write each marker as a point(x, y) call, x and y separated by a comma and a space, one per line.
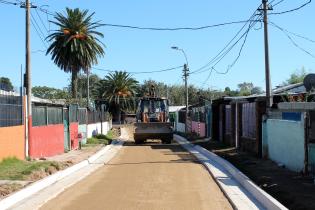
point(291, 10)
point(140, 72)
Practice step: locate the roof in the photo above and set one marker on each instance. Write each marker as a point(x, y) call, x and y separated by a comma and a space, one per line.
point(286, 89)
point(175, 108)
point(292, 88)
point(48, 101)
point(9, 93)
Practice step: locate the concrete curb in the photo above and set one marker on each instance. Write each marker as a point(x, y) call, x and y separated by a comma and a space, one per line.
point(265, 200)
point(49, 180)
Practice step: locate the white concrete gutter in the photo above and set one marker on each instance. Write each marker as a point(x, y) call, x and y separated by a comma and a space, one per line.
point(26, 197)
point(242, 192)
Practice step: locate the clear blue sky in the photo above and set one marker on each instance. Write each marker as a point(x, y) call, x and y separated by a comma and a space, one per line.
point(135, 50)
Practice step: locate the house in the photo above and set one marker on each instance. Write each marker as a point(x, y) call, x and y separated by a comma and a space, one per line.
point(174, 118)
point(237, 121)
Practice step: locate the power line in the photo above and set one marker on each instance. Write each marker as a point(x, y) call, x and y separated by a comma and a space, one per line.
point(159, 28)
point(292, 40)
point(291, 10)
point(208, 77)
point(295, 34)
point(38, 34)
point(245, 35)
point(226, 46)
point(279, 2)
point(41, 20)
point(223, 53)
point(175, 29)
point(9, 2)
point(46, 11)
point(141, 72)
point(37, 25)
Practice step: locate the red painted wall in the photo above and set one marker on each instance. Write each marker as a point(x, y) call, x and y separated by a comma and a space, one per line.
point(47, 141)
point(74, 135)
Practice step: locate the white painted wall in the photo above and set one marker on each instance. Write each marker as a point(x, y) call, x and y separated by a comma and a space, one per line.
point(97, 128)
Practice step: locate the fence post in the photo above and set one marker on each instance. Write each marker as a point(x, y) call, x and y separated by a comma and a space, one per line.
point(46, 112)
point(306, 131)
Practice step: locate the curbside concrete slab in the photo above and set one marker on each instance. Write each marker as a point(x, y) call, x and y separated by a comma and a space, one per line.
point(240, 190)
point(35, 187)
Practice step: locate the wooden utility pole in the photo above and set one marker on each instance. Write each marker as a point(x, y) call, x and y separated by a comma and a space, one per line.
point(28, 74)
point(185, 71)
point(269, 98)
point(28, 82)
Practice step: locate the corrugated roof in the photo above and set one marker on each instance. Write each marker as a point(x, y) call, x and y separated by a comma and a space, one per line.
point(175, 108)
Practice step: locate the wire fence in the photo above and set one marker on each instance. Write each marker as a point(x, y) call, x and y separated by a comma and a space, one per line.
point(97, 116)
point(11, 110)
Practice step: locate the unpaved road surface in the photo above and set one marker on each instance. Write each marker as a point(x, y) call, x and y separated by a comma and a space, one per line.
point(150, 176)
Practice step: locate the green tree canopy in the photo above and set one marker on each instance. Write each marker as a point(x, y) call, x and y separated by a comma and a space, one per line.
point(75, 45)
point(82, 84)
point(119, 90)
point(296, 77)
point(5, 84)
point(245, 88)
point(50, 93)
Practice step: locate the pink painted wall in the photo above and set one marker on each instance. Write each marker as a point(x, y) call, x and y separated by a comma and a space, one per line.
point(46, 141)
point(201, 131)
point(74, 127)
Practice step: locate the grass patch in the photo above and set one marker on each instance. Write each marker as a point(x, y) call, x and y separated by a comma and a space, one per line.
point(15, 169)
point(101, 139)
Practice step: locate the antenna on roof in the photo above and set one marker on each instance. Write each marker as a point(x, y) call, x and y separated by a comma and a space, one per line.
point(309, 82)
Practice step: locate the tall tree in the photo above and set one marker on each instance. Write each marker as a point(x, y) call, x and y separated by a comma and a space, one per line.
point(5, 84)
point(245, 88)
point(82, 84)
point(49, 93)
point(118, 89)
point(75, 45)
point(296, 77)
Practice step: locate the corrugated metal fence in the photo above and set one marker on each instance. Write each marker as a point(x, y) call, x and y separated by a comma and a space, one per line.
point(46, 115)
point(11, 110)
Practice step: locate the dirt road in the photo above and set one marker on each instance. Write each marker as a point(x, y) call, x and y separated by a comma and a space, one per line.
point(150, 176)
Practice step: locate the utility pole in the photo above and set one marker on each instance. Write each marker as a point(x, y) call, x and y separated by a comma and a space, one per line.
point(27, 7)
point(269, 97)
point(185, 74)
point(185, 71)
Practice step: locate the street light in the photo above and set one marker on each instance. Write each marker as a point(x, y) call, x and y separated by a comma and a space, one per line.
point(176, 48)
point(185, 71)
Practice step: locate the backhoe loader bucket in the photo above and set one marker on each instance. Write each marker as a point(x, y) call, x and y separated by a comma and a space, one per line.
point(153, 130)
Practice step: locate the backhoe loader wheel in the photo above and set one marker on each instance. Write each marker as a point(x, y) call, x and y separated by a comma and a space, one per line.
point(139, 141)
point(166, 141)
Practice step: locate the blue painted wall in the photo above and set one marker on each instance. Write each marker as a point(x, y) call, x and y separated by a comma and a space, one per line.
point(283, 142)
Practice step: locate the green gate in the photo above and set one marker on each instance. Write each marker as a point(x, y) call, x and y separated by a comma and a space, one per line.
point(66, 129)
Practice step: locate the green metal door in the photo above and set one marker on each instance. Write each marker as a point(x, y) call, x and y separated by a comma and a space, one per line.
point(66, 129)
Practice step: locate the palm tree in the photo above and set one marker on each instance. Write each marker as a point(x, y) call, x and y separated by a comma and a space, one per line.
point(75, 45)
point(118, 90)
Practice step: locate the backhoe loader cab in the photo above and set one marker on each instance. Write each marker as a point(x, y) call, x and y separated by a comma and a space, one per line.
point(153, 120)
